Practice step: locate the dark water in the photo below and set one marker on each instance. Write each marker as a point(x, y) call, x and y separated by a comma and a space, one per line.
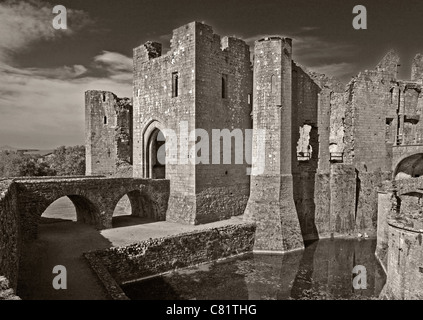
point(322, 271)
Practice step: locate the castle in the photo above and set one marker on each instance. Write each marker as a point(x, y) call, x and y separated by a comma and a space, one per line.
point(328, 146)
point(329, 149)
point(338, 160)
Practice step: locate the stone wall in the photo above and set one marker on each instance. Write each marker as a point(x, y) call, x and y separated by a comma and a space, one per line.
point(386, 203)
point(214, 81)
point(224, 82)
point(94, 198)
point(9, 234)
point(305, 138)
point(108, 134)
point(157, 107)
point(405, 263)
point(347, 200)
point(155, 256)
point(271, 204)
point(400, 234)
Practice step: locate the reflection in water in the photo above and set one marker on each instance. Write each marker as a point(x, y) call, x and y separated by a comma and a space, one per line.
point(322, 271)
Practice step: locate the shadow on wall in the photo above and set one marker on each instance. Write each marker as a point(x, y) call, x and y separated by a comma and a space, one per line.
point(134, 208)
point(304, 180)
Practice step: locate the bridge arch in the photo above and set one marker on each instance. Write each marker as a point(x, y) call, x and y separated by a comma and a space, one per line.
point(86, 212)
point(94, 199)
point(142, 204)
point(410, 166)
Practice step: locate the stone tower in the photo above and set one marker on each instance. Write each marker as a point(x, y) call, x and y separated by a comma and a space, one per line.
point(203, 83)
point(271, 203)
point(108, 138)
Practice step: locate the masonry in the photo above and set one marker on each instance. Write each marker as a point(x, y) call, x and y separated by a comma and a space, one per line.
point(108, 124)
point(328, 147)
point(204, 81)
point(155, 256)
point(335, 143)
point(23, 200)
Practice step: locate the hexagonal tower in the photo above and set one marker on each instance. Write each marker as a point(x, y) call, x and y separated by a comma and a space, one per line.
point(271, 203)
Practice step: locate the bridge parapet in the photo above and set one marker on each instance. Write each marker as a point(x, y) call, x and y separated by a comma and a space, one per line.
point(95, 199)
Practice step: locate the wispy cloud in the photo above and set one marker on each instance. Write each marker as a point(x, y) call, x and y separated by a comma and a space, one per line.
point(313, 48)
point(118, 66)
point(324, 56)
point(44, 107)
point(24, 22)
point(44, 111)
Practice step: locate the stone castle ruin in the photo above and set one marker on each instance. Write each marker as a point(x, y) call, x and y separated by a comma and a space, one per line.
point(338, 160)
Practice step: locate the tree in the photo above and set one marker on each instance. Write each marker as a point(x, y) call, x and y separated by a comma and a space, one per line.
point(68, 161)
point(64, 161)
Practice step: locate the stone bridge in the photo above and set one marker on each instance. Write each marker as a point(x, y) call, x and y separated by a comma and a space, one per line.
point(95, 199)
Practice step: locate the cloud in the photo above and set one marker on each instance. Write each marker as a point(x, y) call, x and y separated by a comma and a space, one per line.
point(318, 54)
point(64, 72)
point(44, 107)
point(118, 66)
point(330, 58)
point(314, 48)
point(24, 22)
point(338, 70)
point(307, 29)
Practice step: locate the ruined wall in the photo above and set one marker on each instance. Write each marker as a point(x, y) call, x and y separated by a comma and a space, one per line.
point(337, 125)
point(368, 107)
point(9, 234)
point(154, 256)
point(305, 138)
point(108, 132)
point(400, 234)
point(224, 81)
point(387, 202)
point(369, 119)
point(417, 68)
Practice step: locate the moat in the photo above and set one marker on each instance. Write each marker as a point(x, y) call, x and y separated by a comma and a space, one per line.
point(322, 271)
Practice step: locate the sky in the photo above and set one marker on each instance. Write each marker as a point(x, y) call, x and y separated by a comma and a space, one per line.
point(44, 72)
